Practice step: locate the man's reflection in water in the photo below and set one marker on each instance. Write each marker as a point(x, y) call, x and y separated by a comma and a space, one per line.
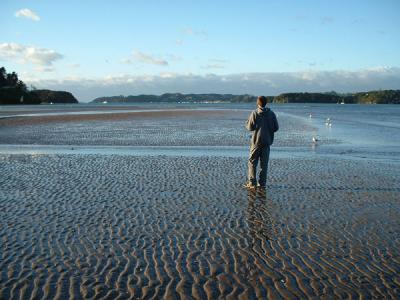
point(259, 216)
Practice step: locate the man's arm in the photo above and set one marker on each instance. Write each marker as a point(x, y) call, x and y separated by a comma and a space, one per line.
point(276, 125)
point(251, 122)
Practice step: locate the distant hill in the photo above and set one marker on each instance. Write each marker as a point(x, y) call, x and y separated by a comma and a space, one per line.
point(378, 97)
point(178, 97)
point(48, 96)
point(371, 97)
point(14, 91)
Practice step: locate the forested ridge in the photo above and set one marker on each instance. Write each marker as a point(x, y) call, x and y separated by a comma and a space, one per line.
point(14, 91)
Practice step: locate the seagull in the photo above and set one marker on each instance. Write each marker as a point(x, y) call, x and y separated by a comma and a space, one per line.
point(314, 139)
point(310, 115)
point(328, 122)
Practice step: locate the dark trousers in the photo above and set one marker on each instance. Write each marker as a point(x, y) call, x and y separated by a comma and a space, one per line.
point(258, 153)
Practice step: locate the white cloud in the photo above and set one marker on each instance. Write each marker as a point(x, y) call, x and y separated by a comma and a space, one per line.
point(10, 49)
point(218, 60)
point(168, 75)
point(44, 69)
point(215, 63)
point(200, 33)
point(41, 56)
point(148, 59)
point(28, 54)
point(173, 57)
point(125, 61)
point(272, 83)
point(188, 31)
point(27, 13)
point(214, 66)
point(74, 66)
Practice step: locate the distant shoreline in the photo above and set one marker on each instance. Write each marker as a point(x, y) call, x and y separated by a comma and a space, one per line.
point(370, 97)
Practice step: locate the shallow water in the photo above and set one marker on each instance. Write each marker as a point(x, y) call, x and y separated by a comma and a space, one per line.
point(361, 131)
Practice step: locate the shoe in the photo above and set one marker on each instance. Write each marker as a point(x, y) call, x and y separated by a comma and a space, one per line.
point(261, 186)
point(249, 186)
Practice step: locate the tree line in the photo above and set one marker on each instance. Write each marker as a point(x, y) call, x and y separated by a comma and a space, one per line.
point(371, 97)
point(14, 91)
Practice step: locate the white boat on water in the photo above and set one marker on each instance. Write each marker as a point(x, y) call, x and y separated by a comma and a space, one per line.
point(105, 102)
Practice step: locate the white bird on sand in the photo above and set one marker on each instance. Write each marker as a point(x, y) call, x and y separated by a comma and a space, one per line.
point(328, 122)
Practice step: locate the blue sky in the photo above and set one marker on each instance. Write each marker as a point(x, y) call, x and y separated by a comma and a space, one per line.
point(96, 48)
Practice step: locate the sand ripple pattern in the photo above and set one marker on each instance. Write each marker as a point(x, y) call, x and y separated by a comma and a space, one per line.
point(120, 227)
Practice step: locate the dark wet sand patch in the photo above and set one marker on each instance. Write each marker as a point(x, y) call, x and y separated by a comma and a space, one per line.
point(6, 110)
point(109, 116)
point(123, 226)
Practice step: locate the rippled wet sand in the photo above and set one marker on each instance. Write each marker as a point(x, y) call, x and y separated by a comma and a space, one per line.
point(121, 225)
point(109, 226)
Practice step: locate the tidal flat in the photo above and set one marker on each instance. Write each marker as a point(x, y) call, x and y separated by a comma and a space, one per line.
point(79, 221)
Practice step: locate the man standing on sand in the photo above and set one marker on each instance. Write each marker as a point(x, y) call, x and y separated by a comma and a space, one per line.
point(263, 123)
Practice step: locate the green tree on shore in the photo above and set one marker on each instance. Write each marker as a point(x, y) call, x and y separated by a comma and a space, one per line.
point(10, 80)
point(14, 91)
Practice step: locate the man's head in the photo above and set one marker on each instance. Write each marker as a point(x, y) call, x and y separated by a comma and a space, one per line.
point(262, 101)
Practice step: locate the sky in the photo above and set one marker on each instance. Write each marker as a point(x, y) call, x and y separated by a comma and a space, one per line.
point(105, 48)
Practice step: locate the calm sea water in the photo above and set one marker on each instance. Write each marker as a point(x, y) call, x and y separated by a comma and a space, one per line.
point(364, 130)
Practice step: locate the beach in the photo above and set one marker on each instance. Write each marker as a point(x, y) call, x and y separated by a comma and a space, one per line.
point(146, 202)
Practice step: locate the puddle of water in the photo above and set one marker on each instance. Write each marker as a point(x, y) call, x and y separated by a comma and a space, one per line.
point(199, 151)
